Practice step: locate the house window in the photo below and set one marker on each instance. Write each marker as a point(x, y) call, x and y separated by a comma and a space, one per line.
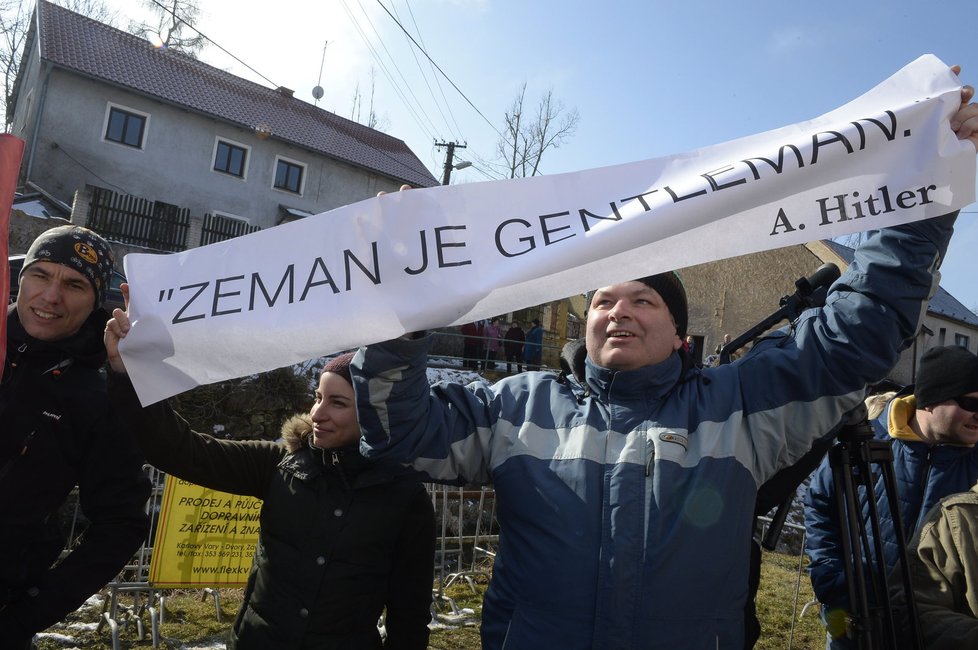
point(125, 127)
point(230, 159)
point(288, 176)
point(962, 340)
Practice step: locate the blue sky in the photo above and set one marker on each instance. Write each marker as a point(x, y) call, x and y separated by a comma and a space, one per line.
point(649, 78)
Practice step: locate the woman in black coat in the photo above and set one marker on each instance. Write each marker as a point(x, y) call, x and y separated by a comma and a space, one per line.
point(342, 538)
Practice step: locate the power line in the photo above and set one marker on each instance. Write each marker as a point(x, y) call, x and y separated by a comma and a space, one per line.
point(211, 40)
point(427, 83)
point(383, 68)
point(441, 90)
point(437, 67)
point(396, 67)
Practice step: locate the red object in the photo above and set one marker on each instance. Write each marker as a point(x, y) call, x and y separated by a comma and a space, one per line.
point(11, 151)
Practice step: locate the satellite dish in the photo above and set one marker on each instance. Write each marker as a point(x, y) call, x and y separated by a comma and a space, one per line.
point(317, 92)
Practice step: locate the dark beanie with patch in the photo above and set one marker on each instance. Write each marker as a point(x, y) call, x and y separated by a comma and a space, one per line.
point(77, 248)
point(340, 366)
point(945, 373)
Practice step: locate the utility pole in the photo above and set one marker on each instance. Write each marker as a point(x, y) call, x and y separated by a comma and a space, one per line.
point(449, 158)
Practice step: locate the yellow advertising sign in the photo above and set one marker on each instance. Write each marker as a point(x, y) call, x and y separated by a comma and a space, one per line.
point(204, 538)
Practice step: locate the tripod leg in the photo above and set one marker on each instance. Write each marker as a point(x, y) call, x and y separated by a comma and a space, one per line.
point(885, 625)
point(889, 481)
point(852, 541)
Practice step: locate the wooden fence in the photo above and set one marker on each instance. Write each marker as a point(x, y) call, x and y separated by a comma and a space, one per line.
point(154, 224)
point(218, 228)
point(132, 220)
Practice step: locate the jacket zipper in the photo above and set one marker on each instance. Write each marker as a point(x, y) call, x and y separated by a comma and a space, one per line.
point(913, 523)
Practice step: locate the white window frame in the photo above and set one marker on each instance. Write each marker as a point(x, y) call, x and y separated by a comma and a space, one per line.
point(105, 126)
point(291, 161)
point(247, 163)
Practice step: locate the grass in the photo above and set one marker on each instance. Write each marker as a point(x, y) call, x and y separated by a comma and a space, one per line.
point(190, 621)
point(776, 607)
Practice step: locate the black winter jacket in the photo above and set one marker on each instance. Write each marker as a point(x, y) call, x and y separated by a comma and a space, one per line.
point(56, 431)
point(341, 537)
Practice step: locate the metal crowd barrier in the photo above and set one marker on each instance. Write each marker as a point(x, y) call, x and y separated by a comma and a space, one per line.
point(133, 581)
point(468, 534)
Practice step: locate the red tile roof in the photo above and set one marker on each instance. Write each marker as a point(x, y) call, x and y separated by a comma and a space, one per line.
point(96, 50)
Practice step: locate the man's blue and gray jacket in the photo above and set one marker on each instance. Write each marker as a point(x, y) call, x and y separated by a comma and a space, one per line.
point(626, 505)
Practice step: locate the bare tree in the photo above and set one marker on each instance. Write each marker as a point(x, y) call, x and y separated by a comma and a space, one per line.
point(526, 137)
point(15, 25)
point(172, 25)
point(373, 120)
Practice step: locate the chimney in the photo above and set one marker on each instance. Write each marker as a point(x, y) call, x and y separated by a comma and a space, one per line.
point(285, 91)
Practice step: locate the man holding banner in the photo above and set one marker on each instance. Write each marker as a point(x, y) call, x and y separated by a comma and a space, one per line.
point(626, 502)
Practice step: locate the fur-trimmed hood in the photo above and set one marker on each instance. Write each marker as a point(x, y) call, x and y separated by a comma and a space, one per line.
point(295, 432)
point(344, 462)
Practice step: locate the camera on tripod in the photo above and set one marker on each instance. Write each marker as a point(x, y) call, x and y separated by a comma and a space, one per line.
point(854, 453)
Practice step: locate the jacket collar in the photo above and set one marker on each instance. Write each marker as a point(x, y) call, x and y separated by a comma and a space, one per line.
point(85, 346)
point(353, 470)
point(899, 412)
point(654, 381)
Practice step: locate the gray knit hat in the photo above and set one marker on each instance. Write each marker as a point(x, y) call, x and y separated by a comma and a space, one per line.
point(77, 248)
point(945, 373)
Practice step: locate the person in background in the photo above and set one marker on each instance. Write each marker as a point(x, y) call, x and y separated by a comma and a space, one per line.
point(57, 431)
point(494, 335)
point(626, 502)
point(513, 346)
point(471, 344)
point(932, 428)
point(533, 349)
point(342, 539)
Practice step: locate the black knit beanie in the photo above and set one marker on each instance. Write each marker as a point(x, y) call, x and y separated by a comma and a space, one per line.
point(340, 366)
point(77, 248)
point(670, 288)
point(945, 373)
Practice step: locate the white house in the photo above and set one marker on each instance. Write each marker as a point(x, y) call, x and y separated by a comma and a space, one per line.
point(103, 108)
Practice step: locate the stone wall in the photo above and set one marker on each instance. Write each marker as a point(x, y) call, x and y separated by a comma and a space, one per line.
point(731, 296)
point(24, 229)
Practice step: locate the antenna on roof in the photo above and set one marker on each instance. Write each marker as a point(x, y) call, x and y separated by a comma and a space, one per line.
point(317, 92)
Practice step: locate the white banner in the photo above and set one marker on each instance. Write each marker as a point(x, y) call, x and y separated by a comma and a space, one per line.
point(432, 257)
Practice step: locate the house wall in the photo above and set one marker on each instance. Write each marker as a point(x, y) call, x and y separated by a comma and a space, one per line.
point(176, 162)
point(731, 296)
point(945, 332)
point(25, 110)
